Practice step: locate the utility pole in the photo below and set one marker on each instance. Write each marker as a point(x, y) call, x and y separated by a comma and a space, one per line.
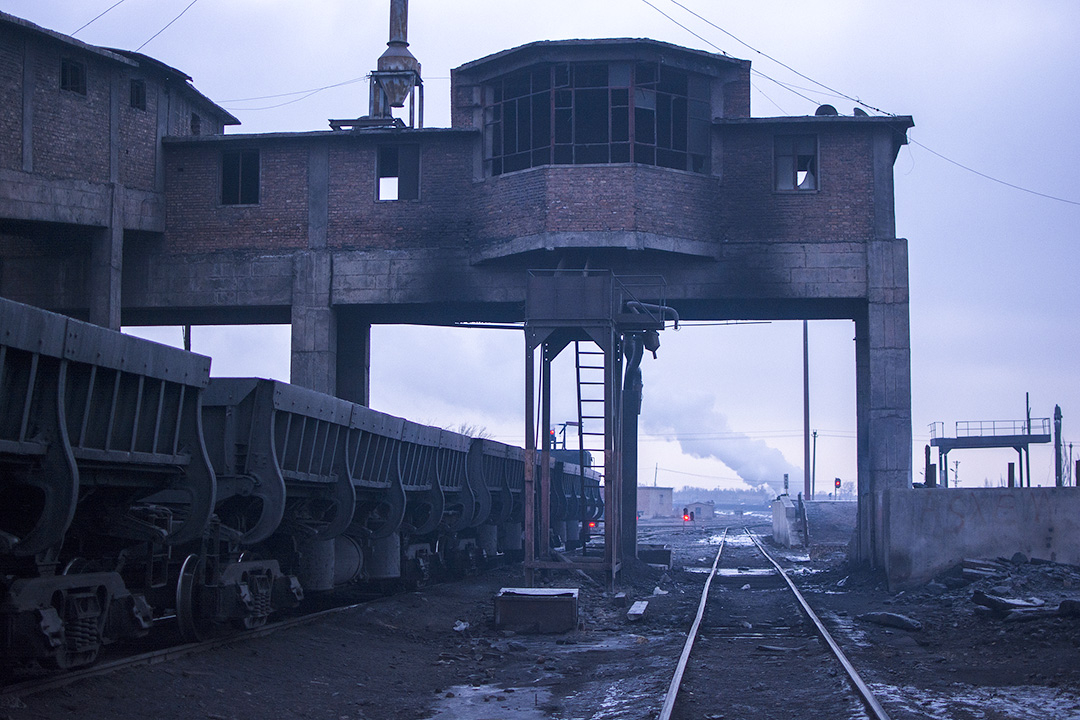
point(813, 471)
point(1059, 479)
point(806, 408)
point(1027, 431)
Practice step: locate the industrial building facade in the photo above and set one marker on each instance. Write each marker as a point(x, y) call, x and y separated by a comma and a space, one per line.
point(122, 201)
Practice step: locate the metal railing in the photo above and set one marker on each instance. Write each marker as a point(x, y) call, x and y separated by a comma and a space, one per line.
point(993, 428)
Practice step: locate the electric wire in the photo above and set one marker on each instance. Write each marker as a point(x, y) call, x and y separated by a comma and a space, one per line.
point(838, 93)
point(296, 92)
point(99, 16)
point(720, 50)
point(992, 178)
point(138, 49)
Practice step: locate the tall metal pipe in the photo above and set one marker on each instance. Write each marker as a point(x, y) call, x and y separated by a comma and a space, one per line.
point(399, 22)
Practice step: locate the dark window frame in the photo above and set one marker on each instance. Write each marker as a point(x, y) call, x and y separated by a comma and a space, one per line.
point(796, 163)
point(73, 76)
point(196, 124)
point(137, 96)
point(400, 162)
point(241, 172)
point(597, 113)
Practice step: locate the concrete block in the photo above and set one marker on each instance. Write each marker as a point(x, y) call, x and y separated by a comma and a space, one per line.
point(637, 610)
point(655, 554)
point(537, 610)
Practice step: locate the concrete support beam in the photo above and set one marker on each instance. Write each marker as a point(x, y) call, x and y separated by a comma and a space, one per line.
point(314, 324)
point(883, 393)
point(106, 266)
point(354, 360)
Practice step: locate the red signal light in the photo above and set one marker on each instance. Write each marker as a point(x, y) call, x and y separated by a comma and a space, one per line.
point(686, 518)
point(592, 523)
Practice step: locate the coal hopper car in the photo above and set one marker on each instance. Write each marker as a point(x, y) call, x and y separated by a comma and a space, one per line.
point(103, 473)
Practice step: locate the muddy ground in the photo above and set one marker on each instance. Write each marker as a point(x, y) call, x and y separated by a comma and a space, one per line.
point(400, 657)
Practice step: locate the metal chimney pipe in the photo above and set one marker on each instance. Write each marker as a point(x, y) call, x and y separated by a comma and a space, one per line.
point(399, 22)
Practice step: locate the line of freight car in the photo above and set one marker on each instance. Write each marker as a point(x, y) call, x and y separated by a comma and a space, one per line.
point(133, 487)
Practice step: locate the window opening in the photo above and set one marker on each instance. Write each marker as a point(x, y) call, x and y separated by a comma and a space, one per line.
point(398, 172)
point(72, 76)
point(138, 94)
point(240, 177)
point(583, 113)
point(196, 124)
point(796, 162)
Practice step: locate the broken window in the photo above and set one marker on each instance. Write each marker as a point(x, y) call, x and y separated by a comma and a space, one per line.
point(138, 94)
point(796, 162)
point(72, 76)
point(240, 177)
point(398, 172)
point(582, 113)
point(196, 124)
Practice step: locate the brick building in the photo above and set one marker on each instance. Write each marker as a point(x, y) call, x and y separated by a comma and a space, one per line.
point(121, 200)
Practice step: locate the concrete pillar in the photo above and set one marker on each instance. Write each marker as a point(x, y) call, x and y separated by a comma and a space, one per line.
point(107, 245)
point(883, 390)
point(631, 409)
point(314, 323)
point(106, 266)
point(354, 359)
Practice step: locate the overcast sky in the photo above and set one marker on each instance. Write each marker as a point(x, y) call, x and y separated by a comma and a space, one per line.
point(993, 269)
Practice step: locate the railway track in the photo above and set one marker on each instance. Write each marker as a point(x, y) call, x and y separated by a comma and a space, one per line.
point(756, 648)
point(130, 659)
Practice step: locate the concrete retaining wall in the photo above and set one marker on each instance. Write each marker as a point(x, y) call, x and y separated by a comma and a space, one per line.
point(932, 530)
point(785, 529)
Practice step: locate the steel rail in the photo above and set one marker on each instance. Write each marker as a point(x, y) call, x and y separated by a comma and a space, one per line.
point(676, 680)
point(872, 705)
point(36, 685)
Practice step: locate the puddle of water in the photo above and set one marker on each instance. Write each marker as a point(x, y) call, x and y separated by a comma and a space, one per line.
point(490, 702)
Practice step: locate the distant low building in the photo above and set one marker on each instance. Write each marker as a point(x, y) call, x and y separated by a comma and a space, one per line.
point(702, 510)
point(654, 502)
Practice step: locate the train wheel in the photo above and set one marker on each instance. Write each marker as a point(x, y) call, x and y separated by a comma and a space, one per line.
point(194, 626)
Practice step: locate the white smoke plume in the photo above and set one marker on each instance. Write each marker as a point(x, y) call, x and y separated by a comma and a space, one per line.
point(702, 431)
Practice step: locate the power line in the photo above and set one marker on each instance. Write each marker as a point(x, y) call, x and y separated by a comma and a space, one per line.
point(167, 26)
point(991, 177)
point(781, 64)
point(102, 14)
point(837, 93)
point(720, 50)
point(296, 92)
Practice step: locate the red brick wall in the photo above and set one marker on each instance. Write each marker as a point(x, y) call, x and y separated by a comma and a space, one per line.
point(841, 210)
point(11, 73)
point(138, 134)
point(453, 209)
point(198, 222)
point(71, 131)
point(441, 217)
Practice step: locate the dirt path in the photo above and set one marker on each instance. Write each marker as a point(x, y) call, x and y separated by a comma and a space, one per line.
point(401, 658)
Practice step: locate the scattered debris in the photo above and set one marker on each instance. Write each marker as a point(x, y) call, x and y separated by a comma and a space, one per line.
point(888, 619)
point(461, 626)
point(658, 591)
point(637, 610)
